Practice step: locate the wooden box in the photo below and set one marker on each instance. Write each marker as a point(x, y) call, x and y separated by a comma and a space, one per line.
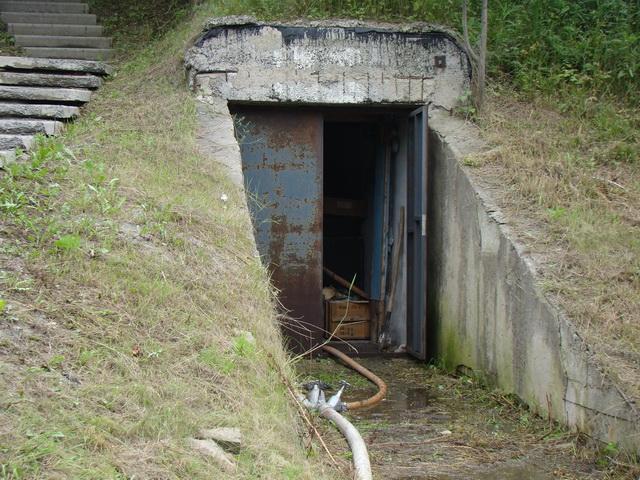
point(350, 330)
point(348, 311)
point(350, 320)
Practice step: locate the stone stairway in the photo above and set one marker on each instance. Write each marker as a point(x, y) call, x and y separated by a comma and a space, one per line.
point(41, 91)
point(37, 95)
point(55, 29)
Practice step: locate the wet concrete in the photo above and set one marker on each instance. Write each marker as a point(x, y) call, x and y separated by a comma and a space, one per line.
point(436, 426)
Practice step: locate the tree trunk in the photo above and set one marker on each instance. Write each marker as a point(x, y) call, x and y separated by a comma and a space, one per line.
point(482, 55)
point(479, 58)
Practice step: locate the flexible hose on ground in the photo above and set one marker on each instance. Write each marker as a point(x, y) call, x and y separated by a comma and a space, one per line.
point(382, 387)
point(361, 463)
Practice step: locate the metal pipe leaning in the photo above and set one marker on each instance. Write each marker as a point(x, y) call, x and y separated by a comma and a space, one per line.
point(361, 463)
point(382, 387)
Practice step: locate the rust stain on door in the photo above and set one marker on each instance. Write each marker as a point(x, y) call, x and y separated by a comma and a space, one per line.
point(282, 164)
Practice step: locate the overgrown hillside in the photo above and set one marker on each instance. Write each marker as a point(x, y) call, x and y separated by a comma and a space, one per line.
point(134, 309)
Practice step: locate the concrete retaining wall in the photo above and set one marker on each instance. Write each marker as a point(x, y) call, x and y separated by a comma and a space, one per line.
point(487, 312)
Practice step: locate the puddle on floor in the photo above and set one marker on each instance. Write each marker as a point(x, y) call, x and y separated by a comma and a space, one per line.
point(439, 427)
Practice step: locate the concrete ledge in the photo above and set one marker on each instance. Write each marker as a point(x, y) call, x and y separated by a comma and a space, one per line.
point(32, 110)
point(241, 59)
point(30, 79)
point(72, 95)
point(26, 63)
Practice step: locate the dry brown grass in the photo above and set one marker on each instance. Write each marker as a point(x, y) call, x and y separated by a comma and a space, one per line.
point(570, 183)
point(132, 296)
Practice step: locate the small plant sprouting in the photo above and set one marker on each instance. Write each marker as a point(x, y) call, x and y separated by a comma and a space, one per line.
point(244, 346)
point(67, 243)
point(465, 107)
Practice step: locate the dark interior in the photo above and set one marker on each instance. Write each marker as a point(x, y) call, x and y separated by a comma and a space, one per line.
point(349, 161)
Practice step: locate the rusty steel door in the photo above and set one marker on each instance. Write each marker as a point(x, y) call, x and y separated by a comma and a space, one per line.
point(282, 164)
point(417, 233)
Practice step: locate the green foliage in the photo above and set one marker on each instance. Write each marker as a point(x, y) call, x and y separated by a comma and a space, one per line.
point(136, 23)
point(67, 243)
point(244, 346)
point(30, 187)
point(607, 454)
point(212, 357)
point(465, 106)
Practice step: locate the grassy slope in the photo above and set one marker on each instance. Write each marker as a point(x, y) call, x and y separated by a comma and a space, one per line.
point(576, 207)
point(129, 289)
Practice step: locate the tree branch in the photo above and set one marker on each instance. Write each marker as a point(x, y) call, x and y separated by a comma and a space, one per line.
point(465, 33)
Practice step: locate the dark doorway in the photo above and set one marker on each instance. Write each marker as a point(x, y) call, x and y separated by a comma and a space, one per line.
point(349, 169)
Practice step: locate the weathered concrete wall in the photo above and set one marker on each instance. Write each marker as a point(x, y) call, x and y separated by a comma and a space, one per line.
point(488, 313)
point(240, 59)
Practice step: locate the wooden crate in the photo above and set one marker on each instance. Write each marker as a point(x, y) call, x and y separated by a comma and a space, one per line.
point(348, 311)
point(351, 330)
point(349, 320)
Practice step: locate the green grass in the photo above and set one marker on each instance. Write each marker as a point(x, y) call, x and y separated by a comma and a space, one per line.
point(136, 312)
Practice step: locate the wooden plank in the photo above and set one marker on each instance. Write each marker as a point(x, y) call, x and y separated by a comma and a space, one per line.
point(345, 283)
point(398, 247)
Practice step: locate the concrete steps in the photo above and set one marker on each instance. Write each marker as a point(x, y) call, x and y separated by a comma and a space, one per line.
point(38, 111)
point(20, 126)
point(44, 7)
point(62, 41)
point(38, 95)
point(55, 29)
point(90, 82)
point(52, 29)
point(98, 54)
point(44, 94)
point(10, 17)
point(65, 48)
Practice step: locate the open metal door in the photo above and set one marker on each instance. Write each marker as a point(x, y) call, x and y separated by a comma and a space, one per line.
point(417, 233)
point(282, 164)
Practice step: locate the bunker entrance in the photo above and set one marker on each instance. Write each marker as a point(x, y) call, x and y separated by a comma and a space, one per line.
point(338, 203)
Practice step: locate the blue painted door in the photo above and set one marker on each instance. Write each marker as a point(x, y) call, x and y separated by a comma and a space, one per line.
point(417, 233)
point(282, 164)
